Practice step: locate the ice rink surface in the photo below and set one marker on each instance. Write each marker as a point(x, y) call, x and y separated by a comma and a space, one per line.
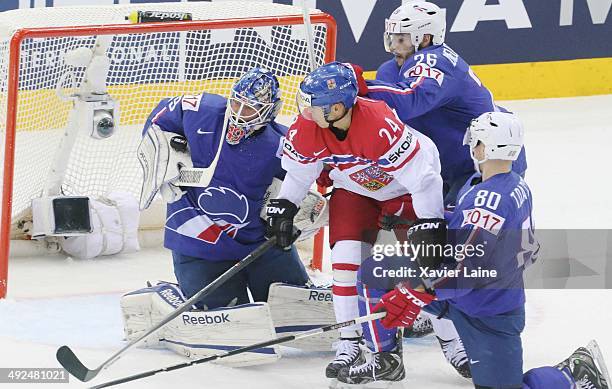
point(55, 301)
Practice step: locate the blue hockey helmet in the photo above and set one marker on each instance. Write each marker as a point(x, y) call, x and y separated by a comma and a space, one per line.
point(332, 83)
point(255, 100)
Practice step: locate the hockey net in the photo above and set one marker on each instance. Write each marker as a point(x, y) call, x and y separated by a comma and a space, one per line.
point(148, 62)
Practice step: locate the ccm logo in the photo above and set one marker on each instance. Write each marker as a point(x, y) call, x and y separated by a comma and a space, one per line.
point(426, 226)
point(401, 149)
point(275, 211)
point(411, 297)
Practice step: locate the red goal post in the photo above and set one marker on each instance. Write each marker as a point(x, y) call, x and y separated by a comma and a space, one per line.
point(15, 94)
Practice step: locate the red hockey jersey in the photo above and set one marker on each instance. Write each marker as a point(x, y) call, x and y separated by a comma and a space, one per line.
point(381, 158)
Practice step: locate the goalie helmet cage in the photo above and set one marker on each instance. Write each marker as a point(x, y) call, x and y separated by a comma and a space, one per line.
point(146, 63)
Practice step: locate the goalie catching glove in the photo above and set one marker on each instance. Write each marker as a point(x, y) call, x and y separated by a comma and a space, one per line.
point(162, 155)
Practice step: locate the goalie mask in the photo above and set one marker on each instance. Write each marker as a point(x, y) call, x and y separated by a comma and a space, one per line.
point(255, 100)
point(500, 132)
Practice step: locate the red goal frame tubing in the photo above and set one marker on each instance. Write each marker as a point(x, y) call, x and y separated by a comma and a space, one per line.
point(13, 92)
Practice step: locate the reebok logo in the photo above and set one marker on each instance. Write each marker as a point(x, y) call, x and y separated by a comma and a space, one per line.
point(206, 319)
point(320, 296)
point(171, 298)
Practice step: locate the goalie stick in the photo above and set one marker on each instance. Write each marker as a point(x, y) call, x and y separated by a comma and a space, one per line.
point(68, 359)
point(244, 349)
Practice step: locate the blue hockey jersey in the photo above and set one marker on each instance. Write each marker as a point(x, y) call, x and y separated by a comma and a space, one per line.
point(389, 72)
point(438, 94)
point(221, 221)
point(494, 218)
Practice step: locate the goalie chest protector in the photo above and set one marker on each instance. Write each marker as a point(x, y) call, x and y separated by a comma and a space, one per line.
point(221, 220)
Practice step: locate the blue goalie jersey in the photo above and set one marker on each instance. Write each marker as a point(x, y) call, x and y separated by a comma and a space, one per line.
point(221, 221)
point(438, 94)
point(493, 224)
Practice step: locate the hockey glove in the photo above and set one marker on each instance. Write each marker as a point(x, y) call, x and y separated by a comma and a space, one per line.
point(362, 87)
point(280, 214)
point(324, 179)
point(397, 213)
point(430, 234)
point(402, 305)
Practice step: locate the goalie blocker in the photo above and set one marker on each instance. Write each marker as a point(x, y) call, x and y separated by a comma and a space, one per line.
point(197, 334)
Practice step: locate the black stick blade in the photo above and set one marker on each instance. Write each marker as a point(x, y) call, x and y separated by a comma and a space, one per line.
point(73, 365)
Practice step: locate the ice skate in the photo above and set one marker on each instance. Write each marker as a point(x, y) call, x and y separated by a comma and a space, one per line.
point(348, 353)
point(381, 371)
point(421, 327)
point(454, 352)
point(587, 367)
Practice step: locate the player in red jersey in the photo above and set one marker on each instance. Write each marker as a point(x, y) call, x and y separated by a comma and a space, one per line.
point(382, 171)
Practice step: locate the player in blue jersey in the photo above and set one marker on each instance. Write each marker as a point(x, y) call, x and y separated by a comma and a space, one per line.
point(209, 228)
point(432, 88)
point(436, 92)
point(480, 288)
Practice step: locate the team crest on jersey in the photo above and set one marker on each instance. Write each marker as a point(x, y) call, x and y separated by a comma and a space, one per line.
point(372, 178)
point(225, 212)
point(331, 84)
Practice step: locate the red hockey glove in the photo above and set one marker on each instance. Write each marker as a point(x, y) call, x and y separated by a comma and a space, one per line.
point(324, 179)
point(361, 84)
point(402, 306)
point(396, 212)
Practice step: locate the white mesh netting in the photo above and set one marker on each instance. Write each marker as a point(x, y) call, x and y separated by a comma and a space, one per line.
point(145, 68)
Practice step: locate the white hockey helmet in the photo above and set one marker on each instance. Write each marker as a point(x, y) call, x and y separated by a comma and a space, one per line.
point(416, 18)
point(502, 134)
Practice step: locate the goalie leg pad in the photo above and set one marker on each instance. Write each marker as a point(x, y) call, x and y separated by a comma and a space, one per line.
point(300, 308)
point(198, 334)
point(146, 307)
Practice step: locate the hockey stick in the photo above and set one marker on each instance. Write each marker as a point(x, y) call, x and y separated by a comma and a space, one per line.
point(309, 34)
point(244, 349)
point(66, 357)
point(201, 177)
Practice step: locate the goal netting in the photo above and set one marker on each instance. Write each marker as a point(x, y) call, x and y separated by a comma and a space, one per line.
point(148, 62)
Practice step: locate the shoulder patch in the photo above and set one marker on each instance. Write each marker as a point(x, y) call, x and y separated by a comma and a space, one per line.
point(421, 71)
point(483, 218)
point(191, 102)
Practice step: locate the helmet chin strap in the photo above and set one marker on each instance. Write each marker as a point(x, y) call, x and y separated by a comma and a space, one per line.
point(339, 133)
point(477, 163)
